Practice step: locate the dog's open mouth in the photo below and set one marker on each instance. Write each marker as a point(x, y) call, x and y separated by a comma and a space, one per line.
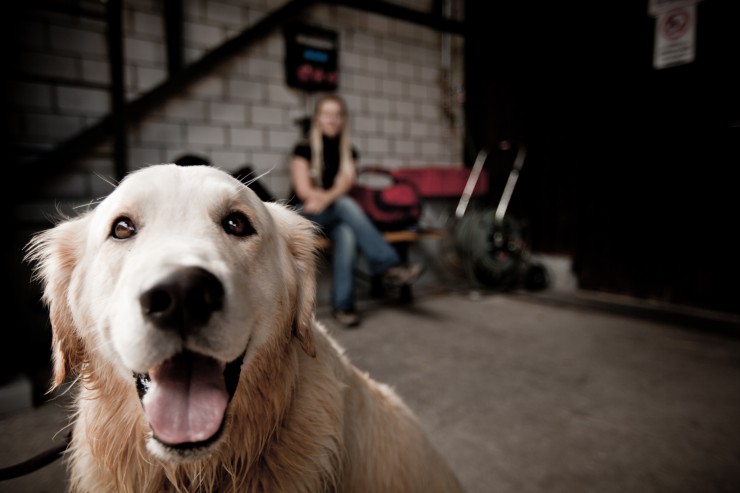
point(186, 396)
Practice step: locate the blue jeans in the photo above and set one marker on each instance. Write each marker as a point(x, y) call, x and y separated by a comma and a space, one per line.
point(350, 229)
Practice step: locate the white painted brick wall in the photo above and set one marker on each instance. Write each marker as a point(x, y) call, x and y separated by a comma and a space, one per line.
point(53, 127)
point(77, 41)
point(247, 137)
point(147, 24)
point(89, 102)
point(201, 134)
point(95, 71)
point(34, 96)
point(227, 112)
point(49, 65)
point(243, 112)
point(156, 132)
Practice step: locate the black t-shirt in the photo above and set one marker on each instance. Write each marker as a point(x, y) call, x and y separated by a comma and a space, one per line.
point(331, 158)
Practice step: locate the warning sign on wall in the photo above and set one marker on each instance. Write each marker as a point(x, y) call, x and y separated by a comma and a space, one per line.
point(674, 37)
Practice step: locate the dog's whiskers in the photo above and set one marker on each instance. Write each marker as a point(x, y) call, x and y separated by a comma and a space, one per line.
point(109, 181)
point(246, 184)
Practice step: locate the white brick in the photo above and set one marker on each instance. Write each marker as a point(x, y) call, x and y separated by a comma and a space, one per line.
point(432, 149)
point(55, 127)
point(395, 49)
point(379, 106)
point(154, 132)
point(430, 111)
point(419, 129)
point(280, 186)
point(148, 24)
point(280, 93)
point(227, 160)
point(417, 91)
point(32, 95)
point(377, 145)
point(77, 41)
point(266, 115)
point(98, 173)
point(272, 69)
point(140, 156)
point(428, 74)
point(67, 186)
point(406, 147)
point(404, 109)
point(228, 112)
point(363, 83)
point(403, 70)
point(95, 71)
point(193, 9)
point(90, 101)
point(222, 13)
point(351, 61)
point(355, 104)
point(361, 42)
point(269, 161)
point(193, 54)
point(391, 88)
point(49, 65)
point(378, 66)
point(201, 35)
point(391, 126)
point(147, 78)
point(143, 50)
point(186, 109)
point(275, 47)
point(279, 139)
point(246, 137)
point(378, 24)
point(207, 87)
point(245, 90)
point(365, 124)
point(200, 134)
point(173, 153)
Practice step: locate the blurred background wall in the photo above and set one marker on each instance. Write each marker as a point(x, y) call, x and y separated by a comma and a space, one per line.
point(630, 172)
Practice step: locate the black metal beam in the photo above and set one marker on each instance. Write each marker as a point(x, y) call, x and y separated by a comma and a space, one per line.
point(173, 19)
point(432, 21)
point(114, 14)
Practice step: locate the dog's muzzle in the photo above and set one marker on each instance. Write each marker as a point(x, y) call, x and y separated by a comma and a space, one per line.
point(185, 397)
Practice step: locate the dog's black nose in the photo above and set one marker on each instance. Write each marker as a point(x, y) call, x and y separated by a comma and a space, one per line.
point(183, 300)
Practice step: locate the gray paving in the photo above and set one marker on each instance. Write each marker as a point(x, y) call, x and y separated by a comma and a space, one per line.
point(525, 395)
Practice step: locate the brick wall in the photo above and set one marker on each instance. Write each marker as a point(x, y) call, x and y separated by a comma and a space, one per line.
point(391, 74)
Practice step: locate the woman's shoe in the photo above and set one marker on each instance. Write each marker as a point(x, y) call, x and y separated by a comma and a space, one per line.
point(400, 275)
point(348, 319)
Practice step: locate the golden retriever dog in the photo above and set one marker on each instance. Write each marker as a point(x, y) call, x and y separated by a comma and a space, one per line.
point(184, 308)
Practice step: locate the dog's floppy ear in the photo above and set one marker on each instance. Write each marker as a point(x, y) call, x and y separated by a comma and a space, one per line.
point(301, 235)
point(55, 253)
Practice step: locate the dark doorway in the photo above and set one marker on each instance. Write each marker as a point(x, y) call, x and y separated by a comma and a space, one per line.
point(630, 169)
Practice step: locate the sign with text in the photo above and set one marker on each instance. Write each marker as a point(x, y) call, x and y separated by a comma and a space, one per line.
point(311, 55)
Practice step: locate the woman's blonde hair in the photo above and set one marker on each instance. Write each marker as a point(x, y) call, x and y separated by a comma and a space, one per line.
point(346, 162)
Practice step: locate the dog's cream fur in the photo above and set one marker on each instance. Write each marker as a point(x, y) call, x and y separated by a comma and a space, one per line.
point(302, 418)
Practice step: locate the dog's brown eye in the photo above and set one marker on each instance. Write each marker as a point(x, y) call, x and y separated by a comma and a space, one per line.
point(237, 224)
point(123, 227)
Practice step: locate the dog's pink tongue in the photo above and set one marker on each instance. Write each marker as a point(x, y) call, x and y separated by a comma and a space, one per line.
point(187, 399)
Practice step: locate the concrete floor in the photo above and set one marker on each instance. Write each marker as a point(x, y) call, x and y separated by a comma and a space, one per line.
point(528, 393)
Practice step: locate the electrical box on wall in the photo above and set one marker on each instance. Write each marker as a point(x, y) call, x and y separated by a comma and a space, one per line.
point(311, 55)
